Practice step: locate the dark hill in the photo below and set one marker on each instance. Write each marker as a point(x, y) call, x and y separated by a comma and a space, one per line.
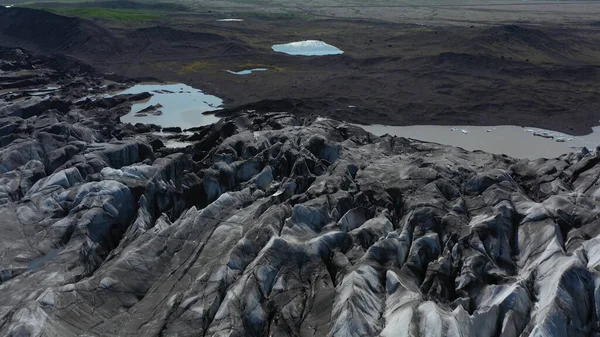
point(164, 41)
point(48, 33)
point(173, 35)
point(526, 42)
point(51, 33)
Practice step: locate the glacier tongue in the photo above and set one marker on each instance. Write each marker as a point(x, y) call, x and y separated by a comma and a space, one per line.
point(272, 225)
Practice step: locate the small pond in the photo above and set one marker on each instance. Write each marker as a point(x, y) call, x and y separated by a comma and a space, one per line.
point(307, 48)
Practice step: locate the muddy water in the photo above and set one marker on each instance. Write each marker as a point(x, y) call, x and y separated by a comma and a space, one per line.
point(514, 141)
point(182, 106)
point(307, 48)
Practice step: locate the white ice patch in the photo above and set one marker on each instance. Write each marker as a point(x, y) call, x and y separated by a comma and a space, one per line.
point(307, 48)
point(247, 71)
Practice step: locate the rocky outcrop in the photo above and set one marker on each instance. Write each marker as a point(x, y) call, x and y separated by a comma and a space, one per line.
point(271, 225)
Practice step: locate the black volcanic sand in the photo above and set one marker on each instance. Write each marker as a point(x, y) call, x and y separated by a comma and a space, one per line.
point(544, 76)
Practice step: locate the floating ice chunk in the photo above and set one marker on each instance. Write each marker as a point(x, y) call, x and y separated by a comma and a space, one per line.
point(543, 134)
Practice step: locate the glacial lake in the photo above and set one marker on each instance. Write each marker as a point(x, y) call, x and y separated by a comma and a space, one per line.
point(182, 106)
point(307, 48)
point(513, 141)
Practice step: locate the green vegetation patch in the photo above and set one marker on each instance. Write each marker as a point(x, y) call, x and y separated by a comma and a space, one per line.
point(107, 13)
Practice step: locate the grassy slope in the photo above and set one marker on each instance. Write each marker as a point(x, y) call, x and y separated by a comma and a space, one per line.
point(108, 13)
point(114, 10)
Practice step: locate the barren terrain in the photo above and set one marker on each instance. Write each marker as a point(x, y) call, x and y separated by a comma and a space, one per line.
point(393, 72)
